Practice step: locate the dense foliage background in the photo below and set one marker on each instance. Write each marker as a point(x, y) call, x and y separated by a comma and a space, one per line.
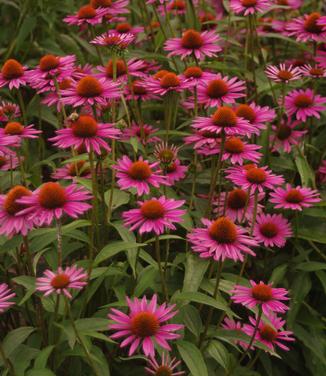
point(39, 338)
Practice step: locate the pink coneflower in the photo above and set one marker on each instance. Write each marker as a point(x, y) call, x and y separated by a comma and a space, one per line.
point(86, 15)
point(85, 130)
point(90, 90)
point(166, 153)
point(175, 171)
point(196, 75)
point(253, 177)
point(175, 7)
point(52, 200)
point(321, 173)
point(283, 73)
point(114, 40)
point(224, 120)
point(137, 90)
point(51, 69)
point(126, 28)
point(221, 239)
point(310, 27)
point(144, 325)
point(5, 296)
point(286, 135)
point(60, 282)
point(10, 223)
point(321, 58)
point(195, 43)
point(132, 67)
point(81, 71)
point(165, 368)
point(143, 133)
point(220, 90)
point(247, 7)
point(73, 170)
point(239, 204)
point(313, 72)
point(272, 230)
point(165, 82)
point(269, 335)
point(292, 4)
point(230, 324)
point(304, 103)
point(139, 174)
point(54, 96)
point(202, 139)
point(8, 159)
point(296, 198)
point(154, 215)
point(236, 151)
point(13, 74)
point(14, 128)
point(111, 7)
point(9, 111)
point(261, 294)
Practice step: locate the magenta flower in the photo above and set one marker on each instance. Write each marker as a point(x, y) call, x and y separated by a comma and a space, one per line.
point(321, 58)
point(296, 198)
point(269, 335)
point(154, 215)
point(166, 83)
point(51, 70)
point(194, 43)
point(253, 177)
point(238, 206)
point(144, 325)
point(310, 27)
point(272, 230)
point(110, 7)
point(9, 111)
point(247, 7)
point(14, 128)
point(221, 239)
point(60, 282)
point(5, 296)
point(230, 324)
point(175, 171)
point(139, 175)
point(112, 39)
point(137, 90)
point(125, 28)
point(85, 131)
point(236, 151)
point(136, 131)
point(73, 170)
point(10, 223)
point(224, 120)
point(86, 15)
point(13, 74)
point(257, 116)
point(202, 139)
point(220, 90)
point(51, 201)
point(165, 367)
point(133, 67)
point(90, 90)
point(313, 72)
point(8, 159)
point(304, 103)
point(286, 135)
point(195, 75)
point(282, 73)
point(175, 7)
point(261, 294)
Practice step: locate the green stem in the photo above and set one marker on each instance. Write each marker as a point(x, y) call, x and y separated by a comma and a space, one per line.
point(94, 227)
point(80, 340)
point(22, 106)
point(59, 241)
point(6, 361)
point(159, 264)
point(211, 310)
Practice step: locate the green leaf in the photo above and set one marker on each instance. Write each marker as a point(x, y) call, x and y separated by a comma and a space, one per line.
point(40, 372)
point(119, 198)
point(42, 358)
point(15, 338)
point(311, 266)
point(201, 298)
point(191, 318)
point(218, 352)
point(306, 173)
point(194, 274)
point(114, 248)
point(193, 358)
